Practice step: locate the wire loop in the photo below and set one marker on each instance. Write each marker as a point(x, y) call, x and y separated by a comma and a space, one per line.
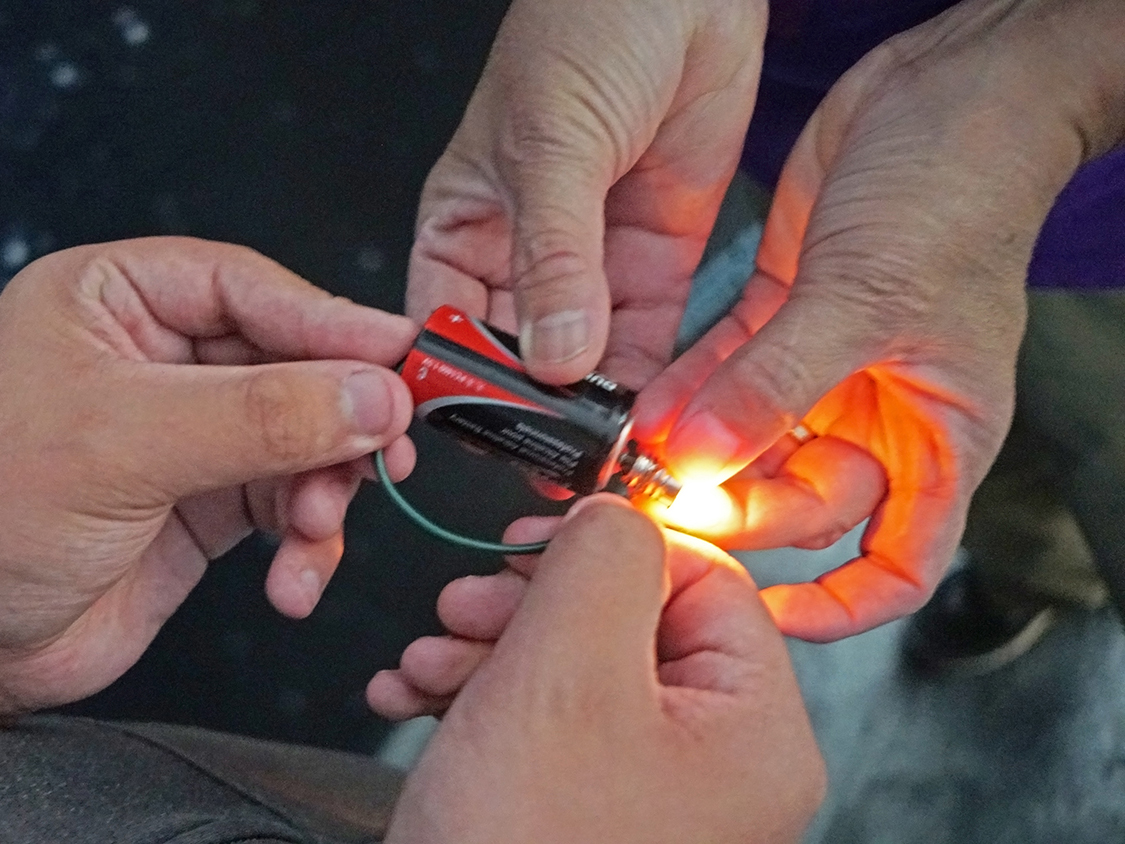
point(443, 533)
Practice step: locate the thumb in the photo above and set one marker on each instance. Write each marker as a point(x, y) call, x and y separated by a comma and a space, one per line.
point(190, 429)
point(593, 604)
point(766, 387)
point(777, 361)
point(560, 141)
point(561, 293)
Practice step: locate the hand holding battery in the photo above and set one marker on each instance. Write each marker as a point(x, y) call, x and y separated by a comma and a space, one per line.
point(466, 378)
point(622, 687)
point(161, 399)
point(571, 208)
point(574, 200)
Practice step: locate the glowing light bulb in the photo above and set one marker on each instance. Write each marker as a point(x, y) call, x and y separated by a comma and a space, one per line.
point(704, 508)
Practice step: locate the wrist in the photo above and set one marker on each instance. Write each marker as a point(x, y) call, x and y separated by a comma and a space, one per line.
point(1090, 45)
point(1070, 58)
point(1034, 88)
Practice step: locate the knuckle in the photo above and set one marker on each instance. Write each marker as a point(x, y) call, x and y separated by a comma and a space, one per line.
point(775, 381)
point(877, 281)
point(277, 409)
point(560, 118)
point(550, 267)
point(535, 135)
point(247, 254)
point(836, 526)
point(824, 539)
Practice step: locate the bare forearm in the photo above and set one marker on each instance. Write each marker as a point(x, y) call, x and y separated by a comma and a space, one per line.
point(1034, 88)
point(1077, 52)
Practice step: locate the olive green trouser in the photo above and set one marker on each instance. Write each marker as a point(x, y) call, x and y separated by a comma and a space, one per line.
point(1048, 522)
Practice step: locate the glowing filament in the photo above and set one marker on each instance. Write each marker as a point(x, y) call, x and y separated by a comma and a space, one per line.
point(701, 508)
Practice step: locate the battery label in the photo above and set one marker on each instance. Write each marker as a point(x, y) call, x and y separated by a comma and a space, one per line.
point(467, 378)
point(508, 429)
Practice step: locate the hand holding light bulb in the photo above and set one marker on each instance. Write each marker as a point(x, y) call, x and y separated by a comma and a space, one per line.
point(804, 491)
point(627, 685)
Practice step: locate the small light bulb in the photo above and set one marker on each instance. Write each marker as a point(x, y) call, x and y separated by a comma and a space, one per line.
point(701, 508)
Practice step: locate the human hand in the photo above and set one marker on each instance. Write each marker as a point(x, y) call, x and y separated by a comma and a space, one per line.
point(573, 203)
point(887, 305)
point(622, 687)
point(158, 404)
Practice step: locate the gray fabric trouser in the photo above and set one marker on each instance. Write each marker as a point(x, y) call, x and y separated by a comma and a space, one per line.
point(80, 781)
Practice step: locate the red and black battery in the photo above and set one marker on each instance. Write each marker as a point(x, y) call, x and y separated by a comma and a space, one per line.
point(466, 378)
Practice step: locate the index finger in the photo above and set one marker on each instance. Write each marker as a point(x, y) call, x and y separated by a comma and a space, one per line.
point(892, 577)
point(201, 289)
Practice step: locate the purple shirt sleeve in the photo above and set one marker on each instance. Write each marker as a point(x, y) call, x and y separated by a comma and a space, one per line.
point(1082, 243)
point(809, 46)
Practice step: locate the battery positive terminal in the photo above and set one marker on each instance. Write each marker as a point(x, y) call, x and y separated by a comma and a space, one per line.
point(644, 477)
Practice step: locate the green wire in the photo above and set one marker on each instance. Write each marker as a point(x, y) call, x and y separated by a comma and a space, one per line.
point(438, 530)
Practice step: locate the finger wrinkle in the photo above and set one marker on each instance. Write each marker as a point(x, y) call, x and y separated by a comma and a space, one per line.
point(898, 381)
point(806, 486)
point(822, 584)
point(191, 534)
point(894, 569)
point(742, 318)
point(130, 313)
point(681, 586)
point(636, 302)
point(633, 366)
point(468, 190)
point(226, 350)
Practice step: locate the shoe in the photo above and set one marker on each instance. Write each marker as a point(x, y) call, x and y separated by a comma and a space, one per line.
point(964, 630)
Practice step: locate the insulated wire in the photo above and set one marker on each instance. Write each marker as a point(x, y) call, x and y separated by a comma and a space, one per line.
point(442, 533)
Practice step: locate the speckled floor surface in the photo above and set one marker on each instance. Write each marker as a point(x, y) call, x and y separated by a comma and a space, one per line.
point(1031, 753)
point(305, 129)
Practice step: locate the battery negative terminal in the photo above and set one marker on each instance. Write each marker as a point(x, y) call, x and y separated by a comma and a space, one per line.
point(644, 477)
